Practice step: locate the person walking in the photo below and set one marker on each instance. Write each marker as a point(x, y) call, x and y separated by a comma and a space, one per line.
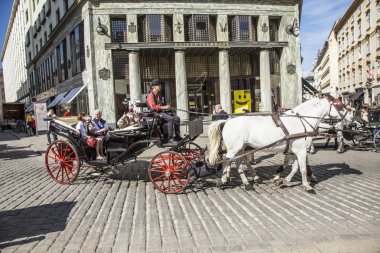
point(52, 115)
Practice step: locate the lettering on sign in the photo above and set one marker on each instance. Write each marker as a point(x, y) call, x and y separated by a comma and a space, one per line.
point(202, 44)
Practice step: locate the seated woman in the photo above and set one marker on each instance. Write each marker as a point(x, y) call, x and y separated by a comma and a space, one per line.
point(101, 126)
point(86, 128)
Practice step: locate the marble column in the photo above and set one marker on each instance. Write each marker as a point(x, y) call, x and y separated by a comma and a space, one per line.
point(265, 86)
point(225, 81)
point(181, 86)
point(134, 76)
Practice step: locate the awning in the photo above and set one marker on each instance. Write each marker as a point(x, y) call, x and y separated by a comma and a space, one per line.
point(356, 95)
point(29, 108)
point(71, 95)
point(57, 99)
point(308, 87)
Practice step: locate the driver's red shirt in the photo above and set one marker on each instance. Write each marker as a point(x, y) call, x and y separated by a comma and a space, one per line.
point(153, 101)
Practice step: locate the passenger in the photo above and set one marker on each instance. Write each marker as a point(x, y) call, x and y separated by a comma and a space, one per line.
point(51, 114)
point(128, 119)
point(101, 126)
point(364, 113)
point(220, 113)
point(86, 127)
point(154, 103)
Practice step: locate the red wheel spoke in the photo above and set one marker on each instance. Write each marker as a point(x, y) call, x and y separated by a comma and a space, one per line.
point(163, 181)
point(67, 175)
point(72, 152)
point(66, 148)
point(57, 148)
point(56, 154)
point(158, 171)
point(163, 168)
point(71, 172)
point(159, 177)
point(51, 163)
point(175, 183)
point(164, 161)
point(179, 180)
point(68, 161)
point(56, 176)
point(53, 170)
point(70, 166)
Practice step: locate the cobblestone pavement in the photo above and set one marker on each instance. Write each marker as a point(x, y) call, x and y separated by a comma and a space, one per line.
point(124, 212)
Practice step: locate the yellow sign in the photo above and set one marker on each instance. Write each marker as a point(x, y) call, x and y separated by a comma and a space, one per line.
point(242, 101)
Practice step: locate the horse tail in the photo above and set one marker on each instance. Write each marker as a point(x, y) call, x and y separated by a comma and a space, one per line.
point(214, 135)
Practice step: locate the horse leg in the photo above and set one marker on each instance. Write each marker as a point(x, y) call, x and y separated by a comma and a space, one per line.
point(239, 166)
point(247, 160)
point(277, 178)
point(310, 175)
point(340, 140)
point(288, 179)
point(226, 172)
point(302, 158)
point(311, 148)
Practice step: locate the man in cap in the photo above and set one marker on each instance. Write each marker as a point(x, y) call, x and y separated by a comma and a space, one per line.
point(154, 103)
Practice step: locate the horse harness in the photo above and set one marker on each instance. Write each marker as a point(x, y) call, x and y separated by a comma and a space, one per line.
point(288, 137)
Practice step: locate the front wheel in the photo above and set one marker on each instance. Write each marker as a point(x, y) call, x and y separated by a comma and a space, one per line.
point(62, 162)
point(376, 141)
point(169, 172)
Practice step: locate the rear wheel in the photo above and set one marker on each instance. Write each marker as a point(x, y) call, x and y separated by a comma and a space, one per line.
point(169, 172)
point(191, 151)
point(376, 141)
point(62, 162)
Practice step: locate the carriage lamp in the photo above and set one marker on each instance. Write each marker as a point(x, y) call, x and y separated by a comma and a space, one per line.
point(101, 29)
point(293, 29)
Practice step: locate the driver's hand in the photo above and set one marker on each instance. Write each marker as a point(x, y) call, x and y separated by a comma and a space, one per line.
point(165, 107)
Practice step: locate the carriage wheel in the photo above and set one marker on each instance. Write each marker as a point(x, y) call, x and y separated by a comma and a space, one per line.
point(376, 141)
point(191, 151)
point(169, 172)
point(62, 162)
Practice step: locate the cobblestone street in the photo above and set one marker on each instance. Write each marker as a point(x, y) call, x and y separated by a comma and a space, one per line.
point(123, 212)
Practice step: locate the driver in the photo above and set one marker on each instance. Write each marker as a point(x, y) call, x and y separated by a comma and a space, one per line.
point(154, 103)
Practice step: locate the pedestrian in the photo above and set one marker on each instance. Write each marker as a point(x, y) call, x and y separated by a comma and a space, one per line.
point(33, 124)
point(51, 115)
point(220, 114)
point(364, 113)
point(67, 113)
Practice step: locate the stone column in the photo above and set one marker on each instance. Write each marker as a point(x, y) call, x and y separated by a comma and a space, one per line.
point(181, 86)
point(265, 86)
point(225, 81)
point(134, 76)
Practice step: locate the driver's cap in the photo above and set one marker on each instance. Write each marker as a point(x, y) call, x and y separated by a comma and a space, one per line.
point(156, 82)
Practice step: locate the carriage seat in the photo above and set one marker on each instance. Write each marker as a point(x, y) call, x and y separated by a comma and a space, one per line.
point(67, 127)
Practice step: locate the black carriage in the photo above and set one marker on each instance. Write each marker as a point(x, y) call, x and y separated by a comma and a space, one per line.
point(170, 171)
point(365, 134)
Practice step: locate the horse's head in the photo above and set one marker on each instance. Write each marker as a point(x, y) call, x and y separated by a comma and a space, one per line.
point(339, 111)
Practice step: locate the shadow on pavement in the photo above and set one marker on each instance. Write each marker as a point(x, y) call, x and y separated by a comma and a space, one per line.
point(11, 153)
point(24, 225)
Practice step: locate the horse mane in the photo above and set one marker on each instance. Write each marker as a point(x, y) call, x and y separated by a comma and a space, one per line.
point(306, 104)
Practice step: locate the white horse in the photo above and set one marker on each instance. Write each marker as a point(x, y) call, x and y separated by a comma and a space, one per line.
point(346, 118)
point(261, 132)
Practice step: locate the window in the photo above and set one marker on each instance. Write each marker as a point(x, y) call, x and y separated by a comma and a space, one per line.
point(26, 16)
point(77, 49)
point(36, 48)
point(360, 27)
point(50, 28)
point(53, 69)
point(378, 38)
point(360, 74)
point(118, 30)
point(368, 18)
point(120, 64)
point(61, 61)
point(45, 37)
point(58, 16)
point(352, 34)
point(200, 27)
point(34, 5)
point(155, 28)
point(40, 42)
point(360, 51)
point(66, 5)
point(47, 71)
point(273, 29)
point(368, 45)
point(242, 28)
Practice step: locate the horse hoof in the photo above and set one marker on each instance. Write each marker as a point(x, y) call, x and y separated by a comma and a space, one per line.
point(313, 179)
point(339, 151)
point(313, 152)
point(218, 182)
point(278, 181)
point(257, 180)
point(248, 187)
point(311, 191)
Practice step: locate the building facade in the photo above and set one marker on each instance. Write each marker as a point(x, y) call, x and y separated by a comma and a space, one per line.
point(326, 68)
point(85, 55)
point(358, 36)
point(13, 53)
point(2, 94)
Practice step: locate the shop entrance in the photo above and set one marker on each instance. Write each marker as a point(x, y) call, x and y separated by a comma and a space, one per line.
point(202, 98)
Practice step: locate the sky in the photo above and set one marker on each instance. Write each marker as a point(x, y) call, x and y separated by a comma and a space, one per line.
point(318, 17)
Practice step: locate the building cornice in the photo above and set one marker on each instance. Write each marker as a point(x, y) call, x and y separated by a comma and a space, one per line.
point(9, 28)
point(347, 15)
